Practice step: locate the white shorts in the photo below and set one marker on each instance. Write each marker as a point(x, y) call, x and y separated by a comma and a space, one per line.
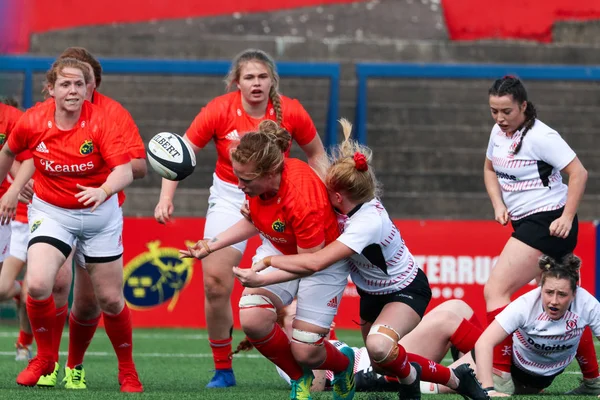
point(319, 295)
point(224, 205)
point(19, 240)
point(98, 234)
point(5, 233)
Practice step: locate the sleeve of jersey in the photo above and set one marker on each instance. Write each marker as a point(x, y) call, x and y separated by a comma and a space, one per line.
point(131, 135)
point(203, 127)
point(302, 128)
point(24, 155)
point(490, 149)
point(513, 316)
point(361, 232)
point(112, 147)
point(17, 139)
point(553, 149)
point(593, 308)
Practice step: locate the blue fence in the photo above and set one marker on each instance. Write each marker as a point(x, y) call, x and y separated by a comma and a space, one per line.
point(30, 65)
point(364, 71)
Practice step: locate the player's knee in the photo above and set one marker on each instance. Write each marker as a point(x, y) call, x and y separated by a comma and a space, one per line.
point(382, 343)
point(38, 288)
point(111, 302)
point(257, 312)
point(85, 307)
point(307, 347)
point(6, 287)
point(216, 289)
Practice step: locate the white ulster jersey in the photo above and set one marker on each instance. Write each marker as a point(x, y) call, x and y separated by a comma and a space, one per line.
point(382, 263)
point(530, 180)
point(544, 346)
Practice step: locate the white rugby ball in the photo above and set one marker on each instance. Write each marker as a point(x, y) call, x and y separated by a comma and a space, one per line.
point(171, 156)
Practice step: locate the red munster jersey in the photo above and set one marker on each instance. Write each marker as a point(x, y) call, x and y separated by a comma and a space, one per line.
point(8, 119)
point(300, 215)
point(83, 155)
point(125, 126)
point(224, 120)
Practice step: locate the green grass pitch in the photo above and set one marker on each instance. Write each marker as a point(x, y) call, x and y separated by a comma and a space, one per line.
point(177, 364)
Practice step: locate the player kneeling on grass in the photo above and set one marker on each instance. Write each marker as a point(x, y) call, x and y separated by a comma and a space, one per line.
point(394, 291)
point(546, 324)
point(452, 323)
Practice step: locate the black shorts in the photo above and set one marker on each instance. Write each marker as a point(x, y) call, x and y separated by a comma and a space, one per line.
point(416, 295)
point(534, 230)
point(523, 378)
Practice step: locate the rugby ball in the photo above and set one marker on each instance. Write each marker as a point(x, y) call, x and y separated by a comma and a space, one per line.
point(171, 156)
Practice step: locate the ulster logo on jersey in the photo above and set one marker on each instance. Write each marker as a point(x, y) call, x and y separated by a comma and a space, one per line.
point(86, 148)
point(156, 276)
point(278, 226)
point(571, 324)
point(2, 138)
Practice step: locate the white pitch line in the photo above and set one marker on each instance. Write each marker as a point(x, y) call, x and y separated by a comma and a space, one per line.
point(148, 355)
point(149, 336)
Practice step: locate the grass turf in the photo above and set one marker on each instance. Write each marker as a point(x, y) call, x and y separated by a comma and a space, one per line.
point(177, 364)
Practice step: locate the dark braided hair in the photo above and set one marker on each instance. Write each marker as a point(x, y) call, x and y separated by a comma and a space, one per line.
point(512, 86)
point(565, 268)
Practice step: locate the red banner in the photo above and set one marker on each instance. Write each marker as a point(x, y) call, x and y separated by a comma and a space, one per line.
point(457, 256)
point(35, 16)
point(529, 20)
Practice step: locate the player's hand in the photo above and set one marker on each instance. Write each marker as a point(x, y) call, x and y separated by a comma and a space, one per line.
point(259, 266)
point(199, 250)
point(26, 193)
point(163, 210)
point(246, 212)
point(561, 227)
point(8, 206)
point(501, 215)
point(91, 196)
point(248, 277)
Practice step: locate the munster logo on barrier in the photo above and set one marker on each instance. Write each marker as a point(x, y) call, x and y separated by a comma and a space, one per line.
point(155, 277)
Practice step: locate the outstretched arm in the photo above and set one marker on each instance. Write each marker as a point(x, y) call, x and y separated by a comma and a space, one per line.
point(239, 232)
point(484, 352)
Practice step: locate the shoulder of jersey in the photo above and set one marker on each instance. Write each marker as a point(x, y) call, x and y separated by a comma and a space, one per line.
point(105, 102)
point(11, 111)
point(541, 128)
point(224, 100)
point(289, 104)
point(38, 112)
point(299, 171)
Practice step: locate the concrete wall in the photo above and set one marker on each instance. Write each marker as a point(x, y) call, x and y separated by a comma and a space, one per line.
point(429, 136)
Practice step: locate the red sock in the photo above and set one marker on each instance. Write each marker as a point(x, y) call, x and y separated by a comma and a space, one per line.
point(475, 321)
point(586, 355)
point(42, 317)
point(400, 366)
point(503, 351)
point(118, 329)
point(332, 335)
point(430, 370)
point(221, 350)
point(465, 336)
point(25, 339)
point(80, 336)
point(276, 347)
point(335, 360)
point(61, 317)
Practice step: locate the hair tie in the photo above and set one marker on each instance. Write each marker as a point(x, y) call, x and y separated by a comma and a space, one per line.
point(547, 266)
point(360, 161)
